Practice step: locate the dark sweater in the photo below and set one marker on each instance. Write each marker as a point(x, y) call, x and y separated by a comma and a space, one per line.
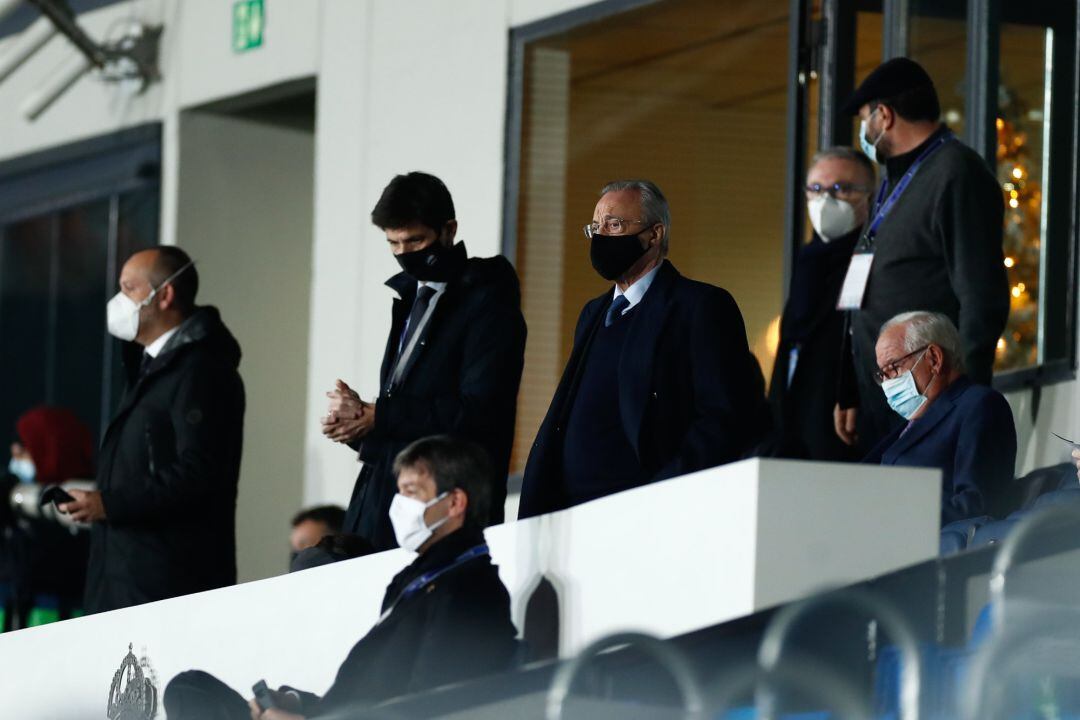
point(598, 458)
point(938, 250)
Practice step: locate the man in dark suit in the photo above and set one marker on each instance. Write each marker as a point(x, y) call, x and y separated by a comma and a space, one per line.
point(445, 618)
point(934, 240)
point(953, 424)
point(164, 514)
point(660, 381)
point(453, 359)
point(839, 186)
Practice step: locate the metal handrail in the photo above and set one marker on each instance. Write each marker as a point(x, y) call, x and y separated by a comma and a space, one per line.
point(672, 660)
point(815, 681)
point(773, 642)
point(981, 695)
point(1017, 540)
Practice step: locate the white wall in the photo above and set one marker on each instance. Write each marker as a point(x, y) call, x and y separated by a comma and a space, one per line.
point(245, 215)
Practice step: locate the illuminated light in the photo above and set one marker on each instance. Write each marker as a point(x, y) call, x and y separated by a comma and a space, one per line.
point(1000, 124)
point(772, 335)
point(1014, 204)
point(1009, 262)
point(1018, 173)
point(1001, 344)
point(1022, 286)
point(1016, 292)
point(1014, 194)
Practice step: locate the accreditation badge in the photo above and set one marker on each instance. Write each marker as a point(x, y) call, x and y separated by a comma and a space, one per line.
point(858, 274)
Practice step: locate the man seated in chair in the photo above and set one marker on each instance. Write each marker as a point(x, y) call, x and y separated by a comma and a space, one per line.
point(445, 618)
point(964, 429)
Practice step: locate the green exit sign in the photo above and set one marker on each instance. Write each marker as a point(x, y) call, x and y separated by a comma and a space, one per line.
point(248, 22)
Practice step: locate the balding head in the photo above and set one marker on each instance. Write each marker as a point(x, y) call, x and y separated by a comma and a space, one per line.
point(167, 273)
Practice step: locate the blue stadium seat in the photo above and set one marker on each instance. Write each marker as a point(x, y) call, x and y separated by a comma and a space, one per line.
point(956, 536)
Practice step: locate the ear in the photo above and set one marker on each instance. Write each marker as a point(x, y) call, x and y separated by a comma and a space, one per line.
point(459, 503)
point(888, 117)
point(936, 358)
point(450, 230)
point(658, 232)
point(166, 297)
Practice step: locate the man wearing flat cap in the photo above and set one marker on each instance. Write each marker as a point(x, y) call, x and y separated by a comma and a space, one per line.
point(933, 241)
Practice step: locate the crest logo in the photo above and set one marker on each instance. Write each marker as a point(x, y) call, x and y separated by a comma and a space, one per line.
point(132, 695)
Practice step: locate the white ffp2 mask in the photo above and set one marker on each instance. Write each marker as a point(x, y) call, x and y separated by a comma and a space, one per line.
point(122, 313)
point(830, 217)
point(407, 517)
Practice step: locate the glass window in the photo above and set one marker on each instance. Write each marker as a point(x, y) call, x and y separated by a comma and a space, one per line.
point(691, 94)
point(58, 267)
point(938, 41)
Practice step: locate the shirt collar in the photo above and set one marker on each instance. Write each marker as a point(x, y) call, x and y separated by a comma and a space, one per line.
point(438, 287)
point(155, 348)
point(637, 291)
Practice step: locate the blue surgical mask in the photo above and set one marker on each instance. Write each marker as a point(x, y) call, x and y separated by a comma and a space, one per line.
point(23, 468)
point(870, 148)
point(903, 394)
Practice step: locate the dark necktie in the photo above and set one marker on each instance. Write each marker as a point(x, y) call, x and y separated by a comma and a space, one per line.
point(144, 364)
point(614, 312)
point(420, 306)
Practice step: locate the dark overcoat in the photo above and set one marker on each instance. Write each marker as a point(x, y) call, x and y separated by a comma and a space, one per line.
point(462, 379)
point(168, 473)
point(691, 395)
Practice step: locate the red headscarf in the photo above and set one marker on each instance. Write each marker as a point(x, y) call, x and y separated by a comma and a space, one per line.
point(58, 443)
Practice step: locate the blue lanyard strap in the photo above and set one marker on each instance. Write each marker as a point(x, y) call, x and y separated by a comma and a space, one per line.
point(427, 578)
point(882, 209)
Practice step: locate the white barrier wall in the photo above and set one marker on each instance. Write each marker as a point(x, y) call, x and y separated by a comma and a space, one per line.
point(667, 558)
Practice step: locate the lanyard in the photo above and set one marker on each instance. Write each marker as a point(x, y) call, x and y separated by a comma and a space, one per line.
point(427, 578)
point(882, 209)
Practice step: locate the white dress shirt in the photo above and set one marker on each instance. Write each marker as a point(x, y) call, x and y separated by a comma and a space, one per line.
point(637, 291)
point(155, 348)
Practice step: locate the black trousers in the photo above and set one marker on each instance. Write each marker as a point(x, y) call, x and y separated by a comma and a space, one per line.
point(198, 695)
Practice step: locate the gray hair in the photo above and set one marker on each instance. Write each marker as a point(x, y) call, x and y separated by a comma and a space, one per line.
point(845, 152)
point(923, 328)
point(653, 204)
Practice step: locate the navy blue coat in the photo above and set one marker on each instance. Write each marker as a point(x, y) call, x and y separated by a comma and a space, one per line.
point(691, 395)
point(968, 433)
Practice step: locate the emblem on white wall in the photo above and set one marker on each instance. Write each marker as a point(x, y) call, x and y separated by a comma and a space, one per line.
point(133, 695)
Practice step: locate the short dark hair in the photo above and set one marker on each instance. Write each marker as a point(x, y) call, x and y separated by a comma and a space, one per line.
point(416, 197)
point(454, 463)
point(332, 516)
point(169, 261)
point(918, 103)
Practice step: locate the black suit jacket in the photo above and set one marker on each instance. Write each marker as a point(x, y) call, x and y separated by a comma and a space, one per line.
point(968, 433)
point(461, 379)
point(691, 395)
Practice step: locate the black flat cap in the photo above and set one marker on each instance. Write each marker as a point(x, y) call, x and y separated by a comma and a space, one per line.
point(888, 80)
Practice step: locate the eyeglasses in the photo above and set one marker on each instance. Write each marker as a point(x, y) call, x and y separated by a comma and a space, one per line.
point(611, 226)
point(892, 369)
point(836, 189)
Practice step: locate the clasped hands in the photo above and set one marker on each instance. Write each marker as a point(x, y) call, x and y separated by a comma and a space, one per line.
point(348, 418)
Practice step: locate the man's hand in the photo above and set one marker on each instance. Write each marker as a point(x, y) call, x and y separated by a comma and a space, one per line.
point(86, 508)
point(844, 424)
point(283, 701)
point(348, 418)
point(1076, 461)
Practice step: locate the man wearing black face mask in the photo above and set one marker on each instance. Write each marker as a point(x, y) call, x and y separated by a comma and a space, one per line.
point(453, 360)
point(660, 381)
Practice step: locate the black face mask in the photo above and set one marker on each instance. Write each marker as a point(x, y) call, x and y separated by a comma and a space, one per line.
point(613, 255)
point(435, 263)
